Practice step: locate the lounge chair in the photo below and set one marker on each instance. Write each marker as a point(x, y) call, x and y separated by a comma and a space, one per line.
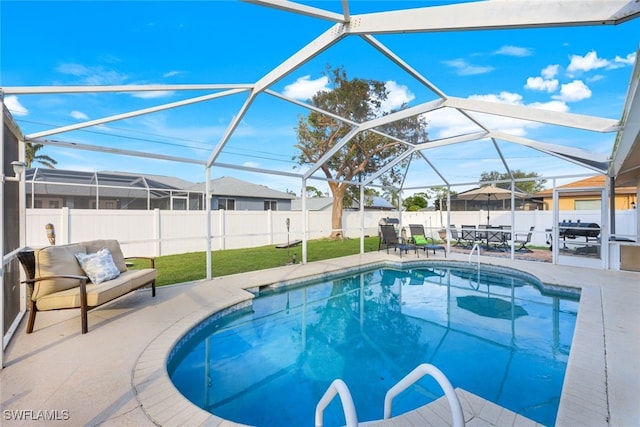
point(390, 240)
point(524, 241)
point(420, 239)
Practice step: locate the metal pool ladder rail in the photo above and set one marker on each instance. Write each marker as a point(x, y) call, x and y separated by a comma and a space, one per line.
point(339, 387)
point(476, 246)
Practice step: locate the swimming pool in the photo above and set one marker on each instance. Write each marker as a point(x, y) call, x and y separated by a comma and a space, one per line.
point(492, 333)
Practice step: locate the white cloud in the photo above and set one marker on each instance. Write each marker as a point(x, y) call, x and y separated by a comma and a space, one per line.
point(398, 95)
point(94, 76)
point(172, 73)
point(538, 83)
point(574, 91)
point(447, 122)
point(595, 78)
point(550, 71)
point(79, 115)
point(251, 164)
point(619, 62)
point(16, 108)
point(503, 97)
point(586, 63)
point(304, 88)
point(559, 106)
point(152, 94)
point(513, 51)
point(465, 69)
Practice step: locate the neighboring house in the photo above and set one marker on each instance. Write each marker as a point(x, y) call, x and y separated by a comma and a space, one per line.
point(234, 194)
point(625, 197)
point(56, 188)
point(326, 204)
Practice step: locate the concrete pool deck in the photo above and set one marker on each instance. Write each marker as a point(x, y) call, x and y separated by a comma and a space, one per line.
point(115, 374)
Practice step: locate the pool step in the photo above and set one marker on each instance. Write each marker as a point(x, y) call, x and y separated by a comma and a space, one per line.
point(477, 411)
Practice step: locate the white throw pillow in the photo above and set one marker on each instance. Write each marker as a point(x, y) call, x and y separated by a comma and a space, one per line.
point(99, 267)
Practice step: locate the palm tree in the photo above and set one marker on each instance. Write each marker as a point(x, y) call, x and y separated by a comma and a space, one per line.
point(31, 155)
point(392, 195)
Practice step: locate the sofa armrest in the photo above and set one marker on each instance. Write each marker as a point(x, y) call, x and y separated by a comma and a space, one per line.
point(152, 260)
point(31, 282)
point(83, 291)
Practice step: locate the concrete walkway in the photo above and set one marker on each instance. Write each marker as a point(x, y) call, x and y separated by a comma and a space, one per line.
point(115, 374)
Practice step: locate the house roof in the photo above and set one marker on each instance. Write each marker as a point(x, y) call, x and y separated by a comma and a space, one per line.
point(229, 186)
point(313, 204)
point(596, 181)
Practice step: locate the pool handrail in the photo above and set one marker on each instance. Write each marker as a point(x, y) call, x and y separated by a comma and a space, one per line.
point(337, 387)
point(415, 375)
point(475, 246)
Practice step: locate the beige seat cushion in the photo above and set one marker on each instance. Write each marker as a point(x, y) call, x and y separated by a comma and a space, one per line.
point(140, 277)
point(98, 294)
point(54, 261)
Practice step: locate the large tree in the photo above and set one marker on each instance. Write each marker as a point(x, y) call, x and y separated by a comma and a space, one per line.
point(357, 100)
point(31, 155)
point(533, 186)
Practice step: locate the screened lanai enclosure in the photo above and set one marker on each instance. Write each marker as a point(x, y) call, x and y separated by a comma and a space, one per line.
point(52, 188)
point(240, 115)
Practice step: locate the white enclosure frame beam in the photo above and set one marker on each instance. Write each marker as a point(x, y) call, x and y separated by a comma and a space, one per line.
point(136, 113)
point(488, 15)
point(578, 121)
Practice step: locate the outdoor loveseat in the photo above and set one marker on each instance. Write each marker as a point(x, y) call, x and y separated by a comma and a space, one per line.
point(57, 280)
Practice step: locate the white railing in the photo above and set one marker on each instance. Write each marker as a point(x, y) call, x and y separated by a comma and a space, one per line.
point(337, 387)
point(414, 376)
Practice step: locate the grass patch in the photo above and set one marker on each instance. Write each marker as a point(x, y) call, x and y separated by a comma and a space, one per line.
point(192, 266)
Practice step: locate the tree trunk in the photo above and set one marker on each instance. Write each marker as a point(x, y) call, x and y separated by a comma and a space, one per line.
point(336, 212)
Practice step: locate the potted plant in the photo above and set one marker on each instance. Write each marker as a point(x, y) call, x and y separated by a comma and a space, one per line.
point(443, 234)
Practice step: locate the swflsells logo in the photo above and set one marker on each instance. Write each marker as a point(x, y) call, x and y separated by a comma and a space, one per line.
point(31, 415)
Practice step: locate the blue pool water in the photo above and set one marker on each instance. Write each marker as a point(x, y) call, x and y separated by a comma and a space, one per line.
point(491, 333)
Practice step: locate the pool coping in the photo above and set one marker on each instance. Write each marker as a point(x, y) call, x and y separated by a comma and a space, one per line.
point(166, 406)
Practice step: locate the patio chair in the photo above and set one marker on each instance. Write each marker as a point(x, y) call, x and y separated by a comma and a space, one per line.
point(455, 235)
point(421, 240)
point(524, 241)
point(390, 239)
point(495, 238)
point(469, 235)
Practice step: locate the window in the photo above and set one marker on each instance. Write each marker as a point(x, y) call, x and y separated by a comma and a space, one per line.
point(270, 205)
point(54, 204)
point(227, 204)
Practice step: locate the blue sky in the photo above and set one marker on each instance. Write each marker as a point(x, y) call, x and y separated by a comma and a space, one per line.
point(582, 70)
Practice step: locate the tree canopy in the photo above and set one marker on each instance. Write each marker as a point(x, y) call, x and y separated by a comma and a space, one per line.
point(530, 187)
point(31, 155)
point(357, 100)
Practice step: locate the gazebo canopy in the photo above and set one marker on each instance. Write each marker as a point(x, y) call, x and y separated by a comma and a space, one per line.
point(482, 136)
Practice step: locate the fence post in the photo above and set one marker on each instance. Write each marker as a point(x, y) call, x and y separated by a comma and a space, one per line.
point(221, 228)
point(157, 232)
point(65, 224)
point(270, 227)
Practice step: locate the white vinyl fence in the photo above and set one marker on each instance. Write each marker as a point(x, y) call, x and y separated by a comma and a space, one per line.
point(163, 232)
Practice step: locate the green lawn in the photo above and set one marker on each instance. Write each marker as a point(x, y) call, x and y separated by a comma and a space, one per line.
point(192, 266)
